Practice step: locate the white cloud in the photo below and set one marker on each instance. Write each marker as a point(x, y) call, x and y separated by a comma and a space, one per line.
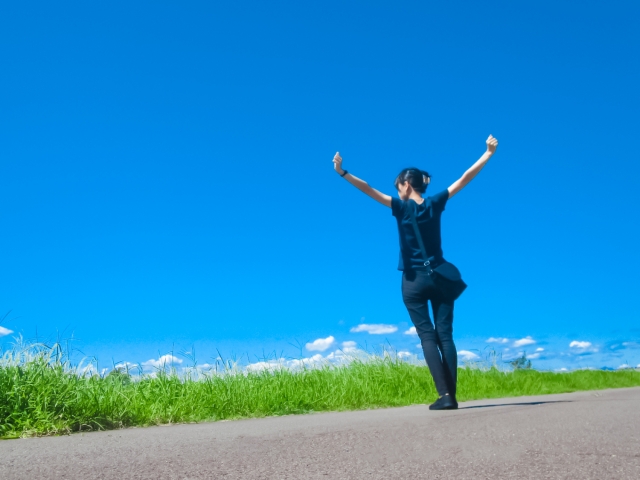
point(539, 349)
point(348, 353)
point(321, 344)
point(512, 355)
point(374, 328)
point(200, 368)
point(563, 369)
point(419, 345)
point(163, 361)
point(624, 366)
point(582, 348)
point(336, 355)
point(578, 344)
point(282, 364)
point(533, 356)
point(5, 331)
point(524, 341)
point(261, 366)
point(411, 331)
point(306, 362)
point(125, 366)
point(405, 356)
point(497, 340)
point(349, 346)
point(88, 370)
point(467, 355)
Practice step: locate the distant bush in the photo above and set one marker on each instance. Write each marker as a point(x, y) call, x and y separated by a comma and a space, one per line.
point(521, 363)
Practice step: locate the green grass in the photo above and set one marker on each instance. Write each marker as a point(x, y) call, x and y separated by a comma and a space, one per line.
point(42, 394)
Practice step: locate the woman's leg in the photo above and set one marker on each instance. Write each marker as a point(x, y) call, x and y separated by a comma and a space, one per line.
point(443, 319)
point(415, 289)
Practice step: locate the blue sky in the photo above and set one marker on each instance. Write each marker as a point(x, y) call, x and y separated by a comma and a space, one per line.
point(168, 184)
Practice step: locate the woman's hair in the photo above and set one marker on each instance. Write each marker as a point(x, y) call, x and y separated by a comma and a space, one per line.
point(417, 179)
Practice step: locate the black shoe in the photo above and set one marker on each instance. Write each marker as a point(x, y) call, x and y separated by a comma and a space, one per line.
point(445, 402)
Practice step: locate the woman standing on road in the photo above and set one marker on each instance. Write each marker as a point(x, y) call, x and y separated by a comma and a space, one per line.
point(418, 278)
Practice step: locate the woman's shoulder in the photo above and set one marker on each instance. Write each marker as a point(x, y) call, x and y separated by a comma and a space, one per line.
point(438, 195)
point(398, 207)
point(439, 199)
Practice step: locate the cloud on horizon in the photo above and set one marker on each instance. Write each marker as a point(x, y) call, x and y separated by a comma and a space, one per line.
point(467, 356)
point(320, 344)
point(163, 361)
point(581, 348)
point(345, 355)
point(524, 341)
point(89, 369)
point(5, 331)
point(619, 345)
point(349, 346)
point(374, 328)
point(497, 340)
point(126, 366)
point(201, 368)
point(270, 366)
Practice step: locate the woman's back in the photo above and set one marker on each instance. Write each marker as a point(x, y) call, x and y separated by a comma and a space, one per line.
point(428, 215)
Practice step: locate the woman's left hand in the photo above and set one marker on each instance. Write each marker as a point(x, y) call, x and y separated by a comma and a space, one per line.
point(337, 163)
point(492, 144)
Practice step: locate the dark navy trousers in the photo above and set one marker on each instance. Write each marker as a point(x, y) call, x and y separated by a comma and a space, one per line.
point(418, 289)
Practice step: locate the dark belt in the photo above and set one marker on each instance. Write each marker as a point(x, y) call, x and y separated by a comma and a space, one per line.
point(431, 263)
point(434, 262)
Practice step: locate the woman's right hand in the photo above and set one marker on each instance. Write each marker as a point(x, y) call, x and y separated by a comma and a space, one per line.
point(337, 163)
point(492, 144)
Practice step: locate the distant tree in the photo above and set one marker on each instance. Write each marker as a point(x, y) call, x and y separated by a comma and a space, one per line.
point(120, 375)
point(521, 363)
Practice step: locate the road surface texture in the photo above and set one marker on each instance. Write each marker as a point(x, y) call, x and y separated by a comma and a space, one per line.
point(574, 436)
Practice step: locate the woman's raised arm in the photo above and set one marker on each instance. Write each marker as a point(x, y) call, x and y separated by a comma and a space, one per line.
point(360, 184)
point(492, 144)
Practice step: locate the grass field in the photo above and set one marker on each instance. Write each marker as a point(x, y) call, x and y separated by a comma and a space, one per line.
point(42, 394)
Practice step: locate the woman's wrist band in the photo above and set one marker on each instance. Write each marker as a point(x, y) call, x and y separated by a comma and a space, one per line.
point(344, 173)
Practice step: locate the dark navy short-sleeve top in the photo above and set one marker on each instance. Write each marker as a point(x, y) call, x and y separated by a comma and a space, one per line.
point(428, 215)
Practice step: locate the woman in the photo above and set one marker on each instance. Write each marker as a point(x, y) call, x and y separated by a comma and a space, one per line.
point(418, 287)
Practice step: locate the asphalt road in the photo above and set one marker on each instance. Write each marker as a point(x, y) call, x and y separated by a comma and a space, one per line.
point(574, 436)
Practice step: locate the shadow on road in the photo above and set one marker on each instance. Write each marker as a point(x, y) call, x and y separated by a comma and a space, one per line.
point(513, 404)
